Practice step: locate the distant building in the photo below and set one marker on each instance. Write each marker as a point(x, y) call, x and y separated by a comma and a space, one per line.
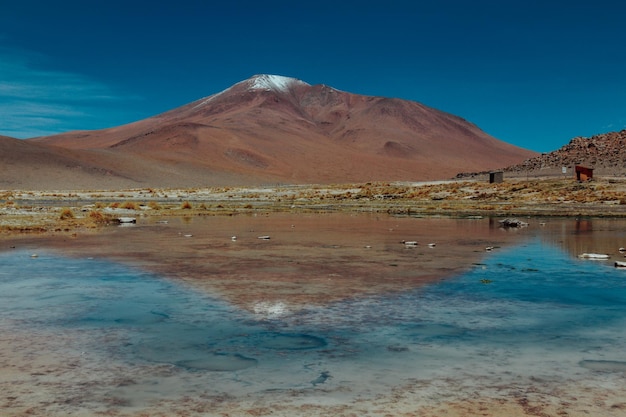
point(496, 177)
point(583, 173)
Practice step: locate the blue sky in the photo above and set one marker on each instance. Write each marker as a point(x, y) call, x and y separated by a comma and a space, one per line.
point(531, 73)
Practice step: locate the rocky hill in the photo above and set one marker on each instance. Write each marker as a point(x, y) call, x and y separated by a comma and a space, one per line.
point(605, 153)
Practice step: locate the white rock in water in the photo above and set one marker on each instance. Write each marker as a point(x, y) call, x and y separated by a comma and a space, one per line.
point(593, 256)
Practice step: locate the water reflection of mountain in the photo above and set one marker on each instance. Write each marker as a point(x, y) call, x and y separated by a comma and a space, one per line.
point(318, 259)
point(578, 236)
point(308, 259)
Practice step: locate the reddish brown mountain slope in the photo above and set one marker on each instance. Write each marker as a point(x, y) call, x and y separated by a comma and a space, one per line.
point(24, 164)
point(278, 129)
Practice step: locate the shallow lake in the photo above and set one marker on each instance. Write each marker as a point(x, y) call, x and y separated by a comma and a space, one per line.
point(83, 334)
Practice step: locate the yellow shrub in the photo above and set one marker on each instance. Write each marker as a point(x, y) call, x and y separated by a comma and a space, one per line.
point(97, 217)
point(66, 214)
point(129, 205)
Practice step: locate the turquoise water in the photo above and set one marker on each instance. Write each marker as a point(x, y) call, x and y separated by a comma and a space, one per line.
point(527, 311)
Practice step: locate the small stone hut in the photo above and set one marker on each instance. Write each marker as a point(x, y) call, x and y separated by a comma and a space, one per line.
point(496, 177)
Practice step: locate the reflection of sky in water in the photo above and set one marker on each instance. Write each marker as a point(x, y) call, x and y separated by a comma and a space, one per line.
point(529, 311)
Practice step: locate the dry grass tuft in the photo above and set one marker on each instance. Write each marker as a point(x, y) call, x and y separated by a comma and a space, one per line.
point(97, 217)
point(129, 205)
point(66, 214)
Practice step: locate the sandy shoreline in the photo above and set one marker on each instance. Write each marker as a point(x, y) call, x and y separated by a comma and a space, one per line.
point(43, 211)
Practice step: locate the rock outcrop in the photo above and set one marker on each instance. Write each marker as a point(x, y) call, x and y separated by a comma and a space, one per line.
point(605, 153)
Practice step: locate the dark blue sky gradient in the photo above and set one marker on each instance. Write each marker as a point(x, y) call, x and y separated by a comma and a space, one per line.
point(532, 73)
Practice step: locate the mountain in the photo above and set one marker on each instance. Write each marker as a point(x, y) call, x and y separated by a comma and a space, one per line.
point(24, 164)
point(606, 153)
point(273, 129)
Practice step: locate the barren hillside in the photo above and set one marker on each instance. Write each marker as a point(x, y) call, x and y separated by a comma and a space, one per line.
point(606, 153)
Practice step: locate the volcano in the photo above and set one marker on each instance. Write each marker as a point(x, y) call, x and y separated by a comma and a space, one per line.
point(272, 129)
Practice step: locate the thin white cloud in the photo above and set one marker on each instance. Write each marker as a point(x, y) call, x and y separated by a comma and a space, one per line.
point(24, 119)
point(36, 102)
point(614, 125)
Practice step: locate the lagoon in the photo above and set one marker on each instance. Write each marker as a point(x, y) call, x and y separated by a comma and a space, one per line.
point(87, 330)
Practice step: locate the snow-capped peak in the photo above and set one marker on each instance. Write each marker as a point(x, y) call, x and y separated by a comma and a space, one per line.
point(264, 82)
point(269, 82)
